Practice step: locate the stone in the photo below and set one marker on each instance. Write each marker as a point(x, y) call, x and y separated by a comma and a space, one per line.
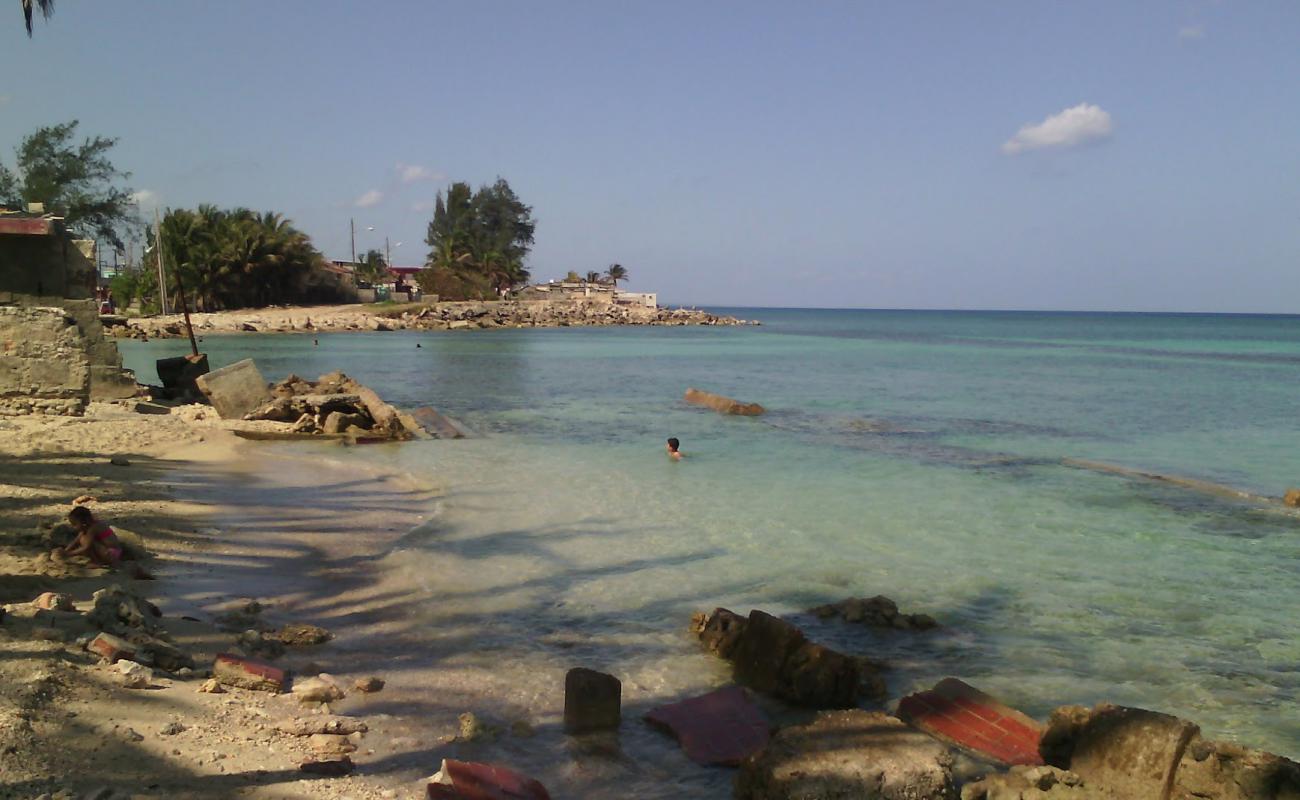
point(961, 715)
point(1292, 498)
point(211, 686)
point(368, 685)
point(301, 634)
point(848, 754)
point(234, 390)
point(257, 643)
point(321, 689)
point(333, 767)
point(465, 780)
point(720, 632)
point(592, 701)
point(723, 405)
point(306, 726)
point(1131, 751)
point(245, 673)
point(142, 407)
point(54, 601)
point(1031, 783)
point(171, 729)
point(338, 422)
point(437, 424)
point(120, 461)
point(473, 729)
point(135, 676)
point(721, 727)
point(330, 744)
point(1224, 771)
point(762, 651)
point(110, 647)
point(774, 657)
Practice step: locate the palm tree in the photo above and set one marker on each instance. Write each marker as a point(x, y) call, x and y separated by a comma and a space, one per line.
point(616, 273)
point(46, 7)
point(593, 276)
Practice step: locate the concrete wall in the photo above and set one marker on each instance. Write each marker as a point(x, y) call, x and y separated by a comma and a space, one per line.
point(46, 266)
point(44, 366)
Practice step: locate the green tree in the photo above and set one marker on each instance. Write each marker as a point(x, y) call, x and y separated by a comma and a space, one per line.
point(478, 242)
point(372, 267)
point(46, 7)
point(593, 276)
point(616, 273)
point(76, 181)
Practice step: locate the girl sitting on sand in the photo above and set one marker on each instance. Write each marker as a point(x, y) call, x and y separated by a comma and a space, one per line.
point(95, 539)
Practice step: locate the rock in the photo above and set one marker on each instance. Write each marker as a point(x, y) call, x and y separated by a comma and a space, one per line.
point(171, 729)
point(245, 673)
point(1223, 771)
point(1031, 783)
point(135, 676)
point(300, 634)
point(280, 409)
point(330, 744)
point(472, 729)
point(211, 686)
point(132, 736)
point(118, 609)
point(1292, 498)
point(164, 655)
point(85, 499)
point(721, 631)
point(234, 390)
point(377, 324)
point(54, 601)
point(110, 647)
point(120, 461)
point(338, 422)
point(773, 656)
point(321, 689)
point(306, 726)
point(848, 754)
point(592, 701)
point(257, 643)
point(368, 685)
point(334, 767)
point(1131, 751)
point(723, 405)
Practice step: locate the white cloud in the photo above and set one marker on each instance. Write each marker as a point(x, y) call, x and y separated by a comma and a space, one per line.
point(410, 173)
point(1072, 127)
point(370, 198)
point(1191, 32)
point(145, 198)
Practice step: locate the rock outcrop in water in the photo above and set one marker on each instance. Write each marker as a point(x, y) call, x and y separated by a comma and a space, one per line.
point(337, 405)
point(723, 405)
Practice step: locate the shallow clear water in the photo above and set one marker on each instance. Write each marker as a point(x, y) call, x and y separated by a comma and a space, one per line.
point(911, 454)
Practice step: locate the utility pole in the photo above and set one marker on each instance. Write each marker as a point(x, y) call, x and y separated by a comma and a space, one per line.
point(388, 254)
point(352, 225)
point(162, 276)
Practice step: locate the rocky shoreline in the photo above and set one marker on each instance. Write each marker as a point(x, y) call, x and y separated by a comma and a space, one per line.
point(431, 317)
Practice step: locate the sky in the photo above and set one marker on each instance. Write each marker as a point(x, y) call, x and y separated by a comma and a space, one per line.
point(998, 155)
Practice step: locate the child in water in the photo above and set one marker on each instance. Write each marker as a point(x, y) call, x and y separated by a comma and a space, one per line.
point(95, 539)
point(673, 452)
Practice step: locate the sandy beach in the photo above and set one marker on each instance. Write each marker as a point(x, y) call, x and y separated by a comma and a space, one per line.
point(206, 505)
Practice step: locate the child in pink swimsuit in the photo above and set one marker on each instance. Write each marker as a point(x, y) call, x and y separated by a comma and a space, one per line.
point(95, 539)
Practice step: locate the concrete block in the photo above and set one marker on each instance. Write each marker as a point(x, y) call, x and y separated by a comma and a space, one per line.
point(111, 383)
point(111, 647)
point(235, 390)
point(592, 701)
point(246, 673)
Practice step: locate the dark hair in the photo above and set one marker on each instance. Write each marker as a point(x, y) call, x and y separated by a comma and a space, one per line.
point(673, 443)
point(80, 514)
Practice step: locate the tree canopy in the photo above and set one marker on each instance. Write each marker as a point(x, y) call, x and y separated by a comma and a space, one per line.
point(76, 181)
point(29, 6)
point(478, 241)
point(616, 273)
point(372, 268)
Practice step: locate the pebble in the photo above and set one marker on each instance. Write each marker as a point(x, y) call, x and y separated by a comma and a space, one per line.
point(171, 729)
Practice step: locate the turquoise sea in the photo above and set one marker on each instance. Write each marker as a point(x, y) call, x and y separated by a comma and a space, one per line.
point(914, 454)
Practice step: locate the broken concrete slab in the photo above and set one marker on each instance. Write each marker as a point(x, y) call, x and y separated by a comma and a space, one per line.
point(1131, 751)
point(234, 390)
point(466, 780)
point(961, 715)
point(592, 701)
point(723, 727)
point(438, 424)
point(245, 673)
point(723, 405)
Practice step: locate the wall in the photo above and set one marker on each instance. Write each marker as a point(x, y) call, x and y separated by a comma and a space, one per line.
point(44, 365)
point(50, 265)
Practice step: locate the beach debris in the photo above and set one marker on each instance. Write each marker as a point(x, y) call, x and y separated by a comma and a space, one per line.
point(467, 780)
point(473, 729)
point(171, 729)
point(306, 726)
point(592, 701)
point(157, 409)
point(369, 684)
point(1131, 751)
point(851, 753)
point(211, 686)
point(1292, 498)
point(54, 601)
point(134, 675)
point(876, 612)
point(723, 405)
point(773, 656)
point(721, 727)
point(333, 767)
point(300, 634)
point(439, 425)
point(961, 715)
point(245, 673)
point(120, 461)
point(1026, 781)
point(120, 609)
point(111, 648)
point(330, 744)
point(234, 390)
point(320, 689)
point(334, 405)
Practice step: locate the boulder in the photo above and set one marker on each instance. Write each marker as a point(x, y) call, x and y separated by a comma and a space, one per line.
point(301, 634)
point(368, 685)
point(848, 754)
point(1222, 771)
point(877, 612)
point(773, 656)
point(1033, 783)
point(330, 743)
point(592, 701)
point(1131, 751)
point(321, 689)
point(338, 422)
point(723, 405)
point(135, 676)
point(234, 390)
point(720, 631)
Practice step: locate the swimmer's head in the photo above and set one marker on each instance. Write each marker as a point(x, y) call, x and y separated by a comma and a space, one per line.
point(673, 444)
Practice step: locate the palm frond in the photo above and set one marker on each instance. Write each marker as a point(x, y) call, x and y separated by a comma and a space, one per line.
point(46, 7)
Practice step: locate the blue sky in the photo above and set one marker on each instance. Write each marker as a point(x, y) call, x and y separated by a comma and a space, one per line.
point(1101, 155)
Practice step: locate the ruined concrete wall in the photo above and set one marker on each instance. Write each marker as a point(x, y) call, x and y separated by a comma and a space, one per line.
point(46, 266)
point(44, 367)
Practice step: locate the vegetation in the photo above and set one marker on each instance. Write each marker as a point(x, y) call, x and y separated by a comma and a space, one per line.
point(372, 268)
point(233, 258)
point(46, 7)
point(78, 182)
point(478, 242)
point(616, 273)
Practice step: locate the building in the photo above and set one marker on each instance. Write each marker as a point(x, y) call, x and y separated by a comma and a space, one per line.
point(586, 292)
point(39, 257)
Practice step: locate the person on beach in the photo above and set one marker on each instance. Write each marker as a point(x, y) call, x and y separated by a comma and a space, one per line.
point(95, 539)
point(673, 452)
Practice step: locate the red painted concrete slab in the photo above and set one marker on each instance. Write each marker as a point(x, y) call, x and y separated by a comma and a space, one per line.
point(961, 715)
point(721, 727)
point(466, 780)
